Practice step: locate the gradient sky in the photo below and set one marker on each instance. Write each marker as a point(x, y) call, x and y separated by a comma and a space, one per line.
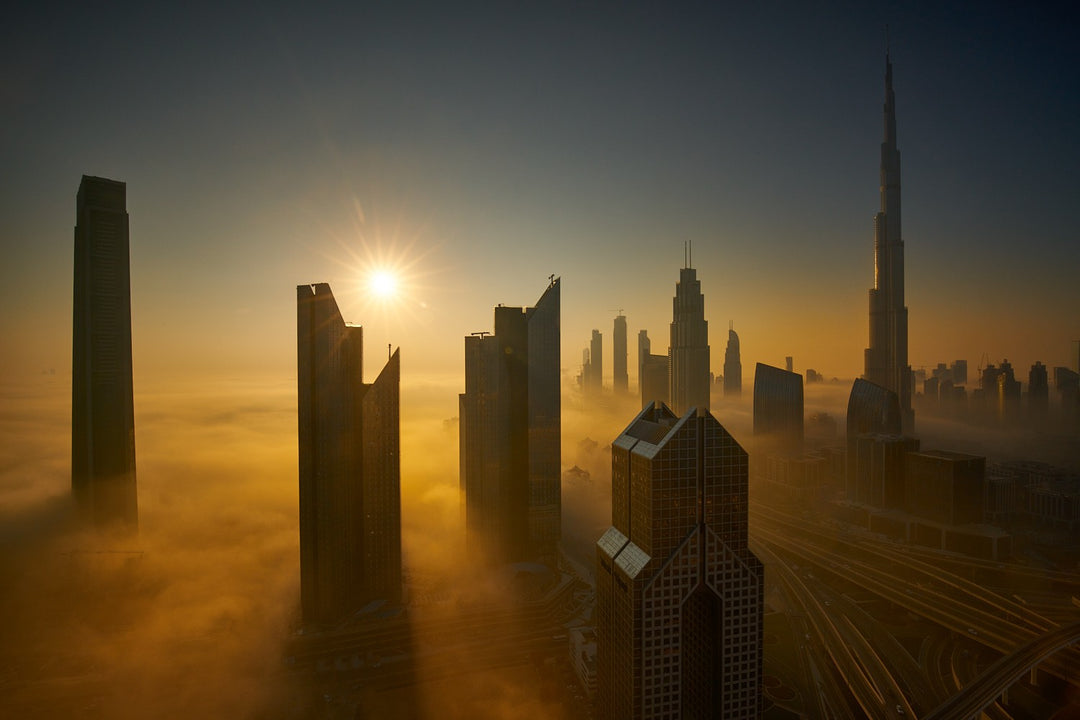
point(480, 150)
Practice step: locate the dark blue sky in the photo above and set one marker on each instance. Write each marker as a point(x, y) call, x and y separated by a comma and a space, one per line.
point(498, 145)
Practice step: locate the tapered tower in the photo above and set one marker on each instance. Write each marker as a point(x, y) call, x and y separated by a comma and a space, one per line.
point(887, 357)
point(689, 349)
point(102, 407)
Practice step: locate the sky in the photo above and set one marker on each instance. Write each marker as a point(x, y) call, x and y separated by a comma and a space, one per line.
point(476, 150)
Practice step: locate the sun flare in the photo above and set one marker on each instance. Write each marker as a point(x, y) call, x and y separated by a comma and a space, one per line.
point(383, 284)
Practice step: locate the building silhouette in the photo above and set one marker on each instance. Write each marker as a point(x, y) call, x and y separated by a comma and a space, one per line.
point(350, 465)
point(622, 378)
point(510, 430)
point(886, 360)
point(778, 407)
point(679, 596)
point(1038, 393)
point(653, 373)
point(732, 365)
point(102, 404)
point(593, 371)
point(871, 409)
point(689, 348)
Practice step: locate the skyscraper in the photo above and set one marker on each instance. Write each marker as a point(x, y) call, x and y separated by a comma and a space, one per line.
point(596, 361)
point(350, 470)
point(778, 407)
point(102, 404)
point(679, 597)
point(622, 378)
point(510, 446)
point(732, 366)
point(872, 409)
point(644, 348)
point(887, 357)
point(689, 350)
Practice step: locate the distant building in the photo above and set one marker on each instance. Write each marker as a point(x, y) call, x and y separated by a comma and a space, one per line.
point(789, 363)
point(644, 347)
point(1038, 393)
point(350, 465)
point(947, 487)
point(679, 597)
point(879, 469)
point(959, 372)
point(594, 380)
point(102, 404)
point(510, 447)
point(871, 409)
point(1008, 394)
point(654, 380)
point(732, 366)
point(1067, 383)
point(886, 359)
point(778, 407)
point(689, 349)
point(621, 382)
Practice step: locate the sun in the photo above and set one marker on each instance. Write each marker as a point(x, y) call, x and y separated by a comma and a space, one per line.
point(383, 284)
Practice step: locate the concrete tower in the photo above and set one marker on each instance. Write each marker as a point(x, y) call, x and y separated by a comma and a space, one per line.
point(102, 406)
point(886, 360)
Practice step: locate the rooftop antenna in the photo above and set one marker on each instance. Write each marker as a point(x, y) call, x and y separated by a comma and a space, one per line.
point(388, 353)
point(684, 260)
point(690, 250)
point(551, 279)
point(482, 334)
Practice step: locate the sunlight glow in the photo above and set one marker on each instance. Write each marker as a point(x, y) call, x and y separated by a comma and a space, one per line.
point(383, 284)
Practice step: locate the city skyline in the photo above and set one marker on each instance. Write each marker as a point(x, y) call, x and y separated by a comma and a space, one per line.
point(979, 175)
point(430, 163)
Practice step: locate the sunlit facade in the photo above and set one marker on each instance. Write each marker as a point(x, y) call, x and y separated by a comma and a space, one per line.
point(510, 434)
point(350, 469)
point(886, 360)
point(102, 404)
point(680, 597)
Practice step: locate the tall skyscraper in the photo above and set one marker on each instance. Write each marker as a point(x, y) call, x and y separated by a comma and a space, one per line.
point(679, 596)
point(732, 365)
point(622, 378)
point(689, 350)
point(102, 404)
point(510, 434)
point(350, 469)
point(887, 357)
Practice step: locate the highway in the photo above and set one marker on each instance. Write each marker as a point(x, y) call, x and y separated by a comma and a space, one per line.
point(914, 579)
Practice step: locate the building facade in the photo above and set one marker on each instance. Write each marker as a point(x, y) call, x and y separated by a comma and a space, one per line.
point(510, 434)
point(689, 348)
point(886, 360)
point(350, 470)
point(102, 401)
point(679, 597)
